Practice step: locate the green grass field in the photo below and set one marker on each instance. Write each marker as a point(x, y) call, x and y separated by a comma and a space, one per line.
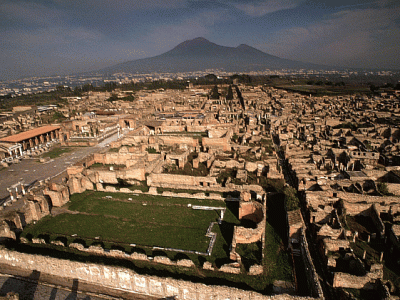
point(145, 220)
point(177, 226)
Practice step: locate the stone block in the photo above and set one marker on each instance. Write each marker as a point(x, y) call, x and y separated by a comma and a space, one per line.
point(58, 243)
point(139, 256)
point(245, 196)
point(77, 246)
point(58, 198)
point(74, 170)
point(75, 186)
point(185, 263)
point(163, 260)
point(5, 231)
point(196, 163)
point(229, 268)
point(86, 183)
point(208, 266)
point(250, 166)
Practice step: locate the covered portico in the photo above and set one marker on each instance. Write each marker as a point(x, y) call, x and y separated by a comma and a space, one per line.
point(10, 151)
point(32, 138)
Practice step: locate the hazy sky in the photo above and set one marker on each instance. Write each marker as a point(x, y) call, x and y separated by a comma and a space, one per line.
point(45, 37)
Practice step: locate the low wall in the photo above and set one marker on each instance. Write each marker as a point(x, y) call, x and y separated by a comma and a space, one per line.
point(171, 140)
point(394, 188)
point(311, 273)
point(165, 180)
point(376, 219)
point(127, 280)
point(345, 280)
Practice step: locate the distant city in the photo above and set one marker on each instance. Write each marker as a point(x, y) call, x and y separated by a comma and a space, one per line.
point(33, 85)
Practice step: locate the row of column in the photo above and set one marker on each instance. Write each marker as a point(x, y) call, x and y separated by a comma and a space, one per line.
point(43, 138)
point(14, 191)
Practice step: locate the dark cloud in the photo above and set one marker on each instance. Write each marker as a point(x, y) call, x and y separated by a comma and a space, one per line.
point(354, 38)
point(58, 36)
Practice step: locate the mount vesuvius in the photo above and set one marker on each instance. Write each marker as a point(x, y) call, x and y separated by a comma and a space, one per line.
point(200, 54)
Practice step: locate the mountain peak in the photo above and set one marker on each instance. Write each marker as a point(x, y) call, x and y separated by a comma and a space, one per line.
point(194, 42)
point(199, 39)
point(243, 46)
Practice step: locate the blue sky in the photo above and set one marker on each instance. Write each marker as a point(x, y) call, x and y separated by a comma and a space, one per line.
point(46, 37)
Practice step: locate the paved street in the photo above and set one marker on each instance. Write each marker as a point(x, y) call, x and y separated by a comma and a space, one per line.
point(31, 171)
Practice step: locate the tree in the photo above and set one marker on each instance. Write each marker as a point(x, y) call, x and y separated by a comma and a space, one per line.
point(229, 96)
point(211, 77)
point(291, 200)
point(383, 188)
point(215, 93)
point(373, 88)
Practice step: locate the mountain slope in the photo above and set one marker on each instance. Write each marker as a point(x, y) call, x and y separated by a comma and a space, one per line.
point(200, 54)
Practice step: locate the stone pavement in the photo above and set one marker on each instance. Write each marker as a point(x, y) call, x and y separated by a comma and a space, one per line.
point(31, 171)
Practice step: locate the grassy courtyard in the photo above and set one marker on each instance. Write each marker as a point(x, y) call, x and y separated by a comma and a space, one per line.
point(145, 220)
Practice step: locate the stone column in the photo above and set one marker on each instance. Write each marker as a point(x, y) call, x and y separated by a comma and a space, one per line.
point(11, 194)
point(23, 189)
point(222, 215)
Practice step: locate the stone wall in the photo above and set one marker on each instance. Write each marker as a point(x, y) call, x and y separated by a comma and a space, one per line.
point(394, 188)
point(121, 158)
point(171, 140)
point(311, 274)
point(169, 180)
point(376, 219)
point(368, 281)
point(176, 128)
point(127, 280)
point(251, 211)
point(216, 143)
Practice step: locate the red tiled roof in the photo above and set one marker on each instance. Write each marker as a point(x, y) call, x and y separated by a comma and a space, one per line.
point(29, 134)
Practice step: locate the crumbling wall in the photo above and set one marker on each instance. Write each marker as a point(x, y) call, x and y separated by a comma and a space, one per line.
point(59, 194)
point(127, 280)
point(311, 274)
point(6, 232)
point(242, 235)
point(35, 208)
point(169, 180)
point(217, 143)
point(120, 158)
point(170, 140)
point(251, 211)
point(368, 281)
point(393, 188)
point(376, 219)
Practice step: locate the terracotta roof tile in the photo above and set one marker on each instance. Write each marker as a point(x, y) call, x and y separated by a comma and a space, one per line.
point(16, 138)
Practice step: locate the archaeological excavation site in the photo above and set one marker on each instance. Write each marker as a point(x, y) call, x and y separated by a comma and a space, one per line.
point(204, 196)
